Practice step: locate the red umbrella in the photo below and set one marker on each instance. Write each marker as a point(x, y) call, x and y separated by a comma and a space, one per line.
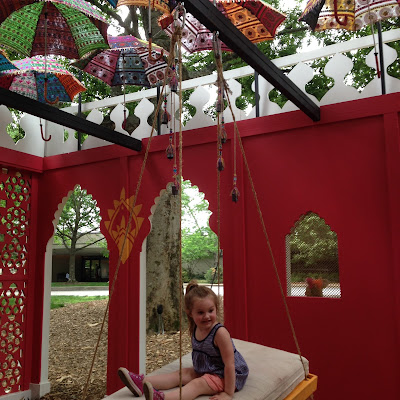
point(125, 63)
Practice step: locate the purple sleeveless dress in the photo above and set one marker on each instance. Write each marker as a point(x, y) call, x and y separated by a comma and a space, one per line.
point(207, 358)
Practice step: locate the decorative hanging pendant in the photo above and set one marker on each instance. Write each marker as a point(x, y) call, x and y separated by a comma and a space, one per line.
point(170, 150)
point(235, 194)
point(166, 117)
point(124, 123)
point(173, 83)
point(222, 132)
point(220, 163)
point(235, 191)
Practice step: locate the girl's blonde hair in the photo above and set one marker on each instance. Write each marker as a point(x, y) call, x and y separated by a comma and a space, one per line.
point(193, 291)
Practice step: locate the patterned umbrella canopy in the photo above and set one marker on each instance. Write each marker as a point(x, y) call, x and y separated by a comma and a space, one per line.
point(29, 80)
point(256, 19)
point(347, 14)
point(71, 28)
point(5, 63)
point(164, 6)
point(125, 63)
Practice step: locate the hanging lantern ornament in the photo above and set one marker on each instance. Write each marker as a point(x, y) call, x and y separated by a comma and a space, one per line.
point(166, 117)
point(170, 150)
point(173, 83)
point(235, 191)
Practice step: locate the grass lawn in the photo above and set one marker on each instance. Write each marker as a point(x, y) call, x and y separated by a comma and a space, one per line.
point(66, 284)
point(62, 301)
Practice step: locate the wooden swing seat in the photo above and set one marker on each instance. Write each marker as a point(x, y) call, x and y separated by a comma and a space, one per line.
point(274, 375)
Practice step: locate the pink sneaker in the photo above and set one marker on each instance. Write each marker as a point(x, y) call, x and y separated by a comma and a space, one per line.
point(132, 381)
point(150, 393)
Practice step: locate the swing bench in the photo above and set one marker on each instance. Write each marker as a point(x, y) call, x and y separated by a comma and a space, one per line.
point(274, 375)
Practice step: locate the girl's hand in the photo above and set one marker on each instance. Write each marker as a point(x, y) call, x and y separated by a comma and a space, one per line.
point(221, 396)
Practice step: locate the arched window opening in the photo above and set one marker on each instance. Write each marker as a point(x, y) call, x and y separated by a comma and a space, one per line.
point(312, 259)
point(80, 249)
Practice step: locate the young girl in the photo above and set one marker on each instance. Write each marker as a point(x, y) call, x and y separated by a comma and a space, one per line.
point(218, 368)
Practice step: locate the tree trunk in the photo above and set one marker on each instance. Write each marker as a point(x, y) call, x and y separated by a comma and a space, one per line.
point(72, 276)
point(163, 265)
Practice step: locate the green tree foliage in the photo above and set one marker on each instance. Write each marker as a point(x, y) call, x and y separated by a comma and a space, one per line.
point(80, 218)
point(198, 240)
point(313, 245)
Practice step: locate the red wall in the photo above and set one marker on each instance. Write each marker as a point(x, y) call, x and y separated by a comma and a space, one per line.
point(345, 168)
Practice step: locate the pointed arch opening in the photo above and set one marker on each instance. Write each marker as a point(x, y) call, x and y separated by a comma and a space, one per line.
point(312, 262)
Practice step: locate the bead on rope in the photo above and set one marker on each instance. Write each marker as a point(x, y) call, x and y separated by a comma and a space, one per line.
point(170, 150)
point(235, 191)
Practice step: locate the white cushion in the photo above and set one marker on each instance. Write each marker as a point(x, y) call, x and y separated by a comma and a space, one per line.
point(273, 373)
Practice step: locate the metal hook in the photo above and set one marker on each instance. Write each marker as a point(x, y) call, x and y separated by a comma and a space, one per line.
point(151, 58)
point(41, 132)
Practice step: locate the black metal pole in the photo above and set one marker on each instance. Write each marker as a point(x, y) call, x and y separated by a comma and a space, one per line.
point(80, 113)
point(158, 114)
point(381, 60)
point(257, 93)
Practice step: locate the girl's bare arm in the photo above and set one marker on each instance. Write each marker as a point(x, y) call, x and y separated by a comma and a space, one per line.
point(224, 343)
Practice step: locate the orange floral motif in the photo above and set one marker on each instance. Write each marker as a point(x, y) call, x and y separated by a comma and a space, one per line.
point(117, 225)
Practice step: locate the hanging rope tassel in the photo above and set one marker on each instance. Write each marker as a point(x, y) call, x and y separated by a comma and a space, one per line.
point(222, 132)
point(170, 150)
point(235, 191)
point(220, 162)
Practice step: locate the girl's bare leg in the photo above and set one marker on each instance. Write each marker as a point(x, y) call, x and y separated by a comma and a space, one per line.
point(191, 390)
point(169, 381)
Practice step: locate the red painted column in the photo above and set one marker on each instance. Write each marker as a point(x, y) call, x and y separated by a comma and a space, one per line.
point(392, 142)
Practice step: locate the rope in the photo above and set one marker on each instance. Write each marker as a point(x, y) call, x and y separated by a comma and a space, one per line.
point(176, 35)
point(237, 134)
point(180, 174)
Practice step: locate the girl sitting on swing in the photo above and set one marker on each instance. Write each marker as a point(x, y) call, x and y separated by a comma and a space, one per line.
point(218, 368)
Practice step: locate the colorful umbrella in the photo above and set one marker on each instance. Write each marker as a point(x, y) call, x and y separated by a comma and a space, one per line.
point(256, 19)
point(164, 6)
point(71, 28)
point(5, 63)
point(347, 14)
point(29, 80)
point(125, 63)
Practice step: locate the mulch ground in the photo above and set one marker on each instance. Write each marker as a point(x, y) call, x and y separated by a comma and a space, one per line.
point(74, 332)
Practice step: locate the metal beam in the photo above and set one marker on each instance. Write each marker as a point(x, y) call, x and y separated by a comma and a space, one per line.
point(53, 114)
point(214, 20)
